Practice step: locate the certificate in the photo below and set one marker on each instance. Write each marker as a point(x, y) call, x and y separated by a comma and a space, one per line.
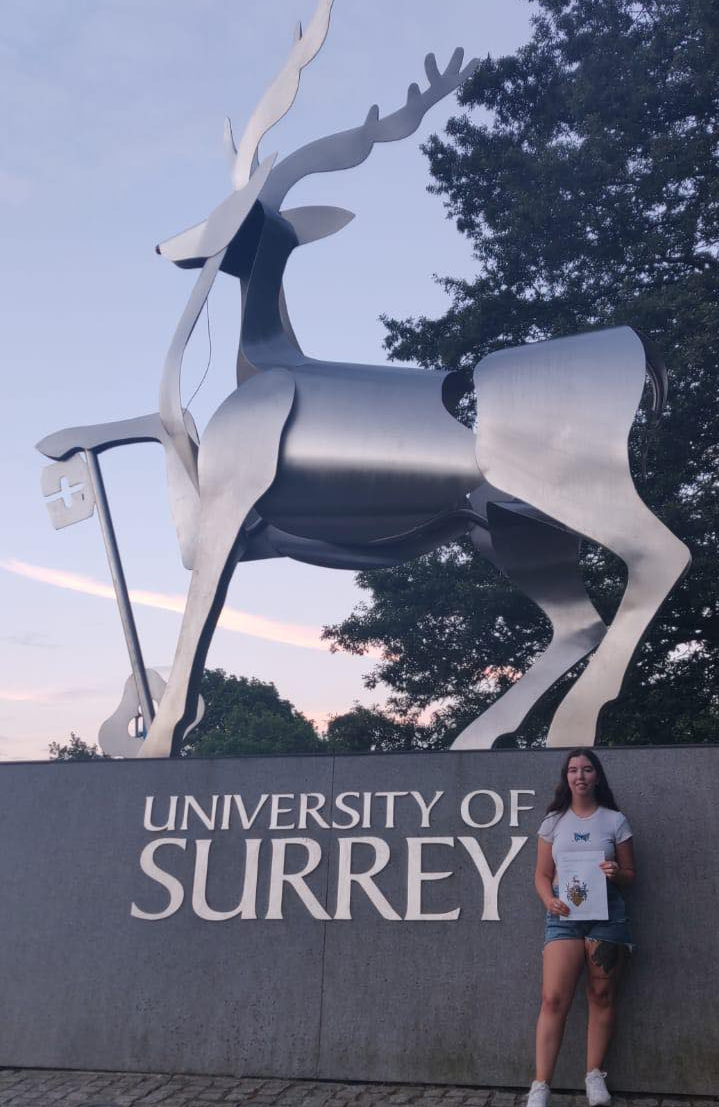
point(582, 884)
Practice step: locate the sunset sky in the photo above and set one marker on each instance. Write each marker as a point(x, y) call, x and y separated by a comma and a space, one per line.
point(112, 142)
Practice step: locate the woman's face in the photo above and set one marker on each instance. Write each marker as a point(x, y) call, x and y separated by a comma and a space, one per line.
point(581, 777)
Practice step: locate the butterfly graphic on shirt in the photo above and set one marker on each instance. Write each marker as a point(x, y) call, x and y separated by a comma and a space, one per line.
point(581, 837)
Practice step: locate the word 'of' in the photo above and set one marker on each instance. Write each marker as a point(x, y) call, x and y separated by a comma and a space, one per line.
point(347, 878)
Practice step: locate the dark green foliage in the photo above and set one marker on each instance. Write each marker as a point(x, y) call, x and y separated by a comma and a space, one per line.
point(248, 716)
point(371, 730)
point(591, 196)
point(76, 750)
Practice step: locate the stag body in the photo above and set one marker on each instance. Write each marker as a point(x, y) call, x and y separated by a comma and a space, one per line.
point(348, 448)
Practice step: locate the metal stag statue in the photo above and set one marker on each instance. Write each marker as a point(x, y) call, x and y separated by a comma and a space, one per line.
point(361, 466)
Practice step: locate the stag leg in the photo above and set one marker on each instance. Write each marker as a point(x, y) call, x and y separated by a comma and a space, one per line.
point(542, 561)
point(655, 560)
point(248, 427)
point(215, 559)
point(553, 423)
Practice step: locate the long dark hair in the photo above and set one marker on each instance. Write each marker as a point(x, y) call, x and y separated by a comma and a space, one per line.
point(562, 800)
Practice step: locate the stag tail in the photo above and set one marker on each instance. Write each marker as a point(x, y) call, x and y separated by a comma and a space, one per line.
point(657, 372)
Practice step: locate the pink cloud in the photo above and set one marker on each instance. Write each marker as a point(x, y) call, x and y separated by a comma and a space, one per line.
point(23, 695)
point(240, 622)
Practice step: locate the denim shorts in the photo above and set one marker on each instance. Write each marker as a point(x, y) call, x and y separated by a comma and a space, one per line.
point(614, 929)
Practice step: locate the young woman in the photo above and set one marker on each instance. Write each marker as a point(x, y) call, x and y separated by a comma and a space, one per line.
point(582, 816)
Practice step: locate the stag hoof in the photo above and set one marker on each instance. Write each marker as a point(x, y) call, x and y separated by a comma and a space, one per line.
point(158, 742)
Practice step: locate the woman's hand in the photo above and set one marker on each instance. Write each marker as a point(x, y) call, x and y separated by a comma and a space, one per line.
point(609, 868)
point(557, 906)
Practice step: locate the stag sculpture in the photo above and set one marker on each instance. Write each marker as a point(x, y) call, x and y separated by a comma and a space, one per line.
point(358, 466)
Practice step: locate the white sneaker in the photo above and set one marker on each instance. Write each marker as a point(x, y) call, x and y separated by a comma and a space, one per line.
point(538, 1094)
point(597, 1093)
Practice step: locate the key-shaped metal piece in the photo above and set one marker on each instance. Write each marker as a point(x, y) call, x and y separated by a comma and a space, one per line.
point(77, 487)
point(114, 736)
point(69, 485)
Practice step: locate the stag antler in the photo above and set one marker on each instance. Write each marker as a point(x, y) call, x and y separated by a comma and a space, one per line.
point(349, 148)
point(279, 97)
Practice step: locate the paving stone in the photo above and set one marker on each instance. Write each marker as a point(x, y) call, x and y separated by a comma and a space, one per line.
point(158, 1094)
point(59, 1088)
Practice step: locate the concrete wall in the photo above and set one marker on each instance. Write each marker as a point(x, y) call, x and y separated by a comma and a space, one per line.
point(84, 984)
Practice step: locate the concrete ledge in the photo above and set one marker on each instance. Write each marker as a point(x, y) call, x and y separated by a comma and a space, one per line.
point(432, 978)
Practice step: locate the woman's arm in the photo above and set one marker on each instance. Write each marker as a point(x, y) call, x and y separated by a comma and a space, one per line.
point(622, 870)
point(543, 879)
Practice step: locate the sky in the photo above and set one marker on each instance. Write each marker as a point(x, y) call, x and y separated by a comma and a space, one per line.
point(112, 142)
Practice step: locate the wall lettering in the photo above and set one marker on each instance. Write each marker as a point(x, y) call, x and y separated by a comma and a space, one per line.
point(288, 868)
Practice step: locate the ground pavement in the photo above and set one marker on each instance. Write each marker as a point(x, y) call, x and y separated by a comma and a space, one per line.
point(53, 1088)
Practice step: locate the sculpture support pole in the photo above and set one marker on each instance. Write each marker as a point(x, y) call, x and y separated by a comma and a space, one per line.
point(121, 593)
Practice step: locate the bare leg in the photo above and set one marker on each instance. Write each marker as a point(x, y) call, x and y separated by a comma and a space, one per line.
point(605, 961)
point(562, 964)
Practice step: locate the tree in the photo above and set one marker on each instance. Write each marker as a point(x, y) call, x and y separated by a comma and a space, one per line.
point(245, 715)
point(591, 198)
point(242, 716)
point(76, 750)
point(371, 730)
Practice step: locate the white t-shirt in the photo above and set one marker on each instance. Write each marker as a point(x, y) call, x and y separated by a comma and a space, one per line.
point(602, 830)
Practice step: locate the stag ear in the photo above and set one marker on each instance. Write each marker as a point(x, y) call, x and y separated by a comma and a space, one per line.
point(311, 223)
